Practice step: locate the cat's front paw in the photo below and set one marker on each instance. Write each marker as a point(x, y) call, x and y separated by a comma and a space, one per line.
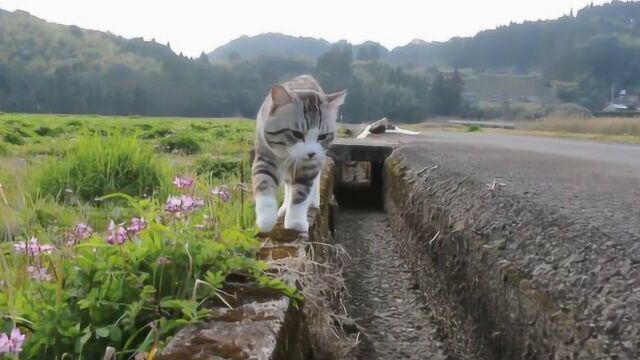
point(300, 225)
point(266, 213)
point(293, 222)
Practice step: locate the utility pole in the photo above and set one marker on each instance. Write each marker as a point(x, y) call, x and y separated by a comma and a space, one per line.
point(613, 87)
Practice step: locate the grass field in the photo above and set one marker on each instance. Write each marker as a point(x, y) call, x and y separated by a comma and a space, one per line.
point(82, 269)
point(622, 129)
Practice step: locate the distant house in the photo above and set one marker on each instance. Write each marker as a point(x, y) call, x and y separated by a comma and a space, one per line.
point(631, 101)
point(624, 103)
point(611, 107)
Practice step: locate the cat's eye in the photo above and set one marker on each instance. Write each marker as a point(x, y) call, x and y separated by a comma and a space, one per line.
point(323, 137)
point(297, 134)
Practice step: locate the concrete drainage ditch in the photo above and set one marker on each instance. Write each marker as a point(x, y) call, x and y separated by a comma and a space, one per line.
point(422, 282)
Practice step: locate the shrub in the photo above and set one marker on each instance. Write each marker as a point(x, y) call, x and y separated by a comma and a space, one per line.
point(21, 132)
point(156, 134)
point(217, 168)
point(474, 128)
point(14, 139)
point(199, 127)
point(47, 131)
point(97, 166)
point(74, 123)
point(183, 144)
point(144, 127)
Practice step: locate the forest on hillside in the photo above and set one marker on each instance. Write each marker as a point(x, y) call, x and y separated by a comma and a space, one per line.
point(50, 68)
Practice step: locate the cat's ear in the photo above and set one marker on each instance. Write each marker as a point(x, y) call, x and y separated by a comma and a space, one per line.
point(337, 99)
point(280, 95)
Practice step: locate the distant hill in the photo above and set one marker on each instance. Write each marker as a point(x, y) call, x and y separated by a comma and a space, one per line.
point(52, 68)
point(46, 67)
point(577, 57)
point(271, 44)
point(530, 46)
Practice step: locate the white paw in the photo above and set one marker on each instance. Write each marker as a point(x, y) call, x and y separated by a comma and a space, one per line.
point(315, 203)
point(266, 213)
point(295, 223)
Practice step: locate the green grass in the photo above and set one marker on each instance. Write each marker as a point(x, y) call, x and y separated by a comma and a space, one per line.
point(183, 144)
point(52, 169)
point(474, 128)
point(101, 165)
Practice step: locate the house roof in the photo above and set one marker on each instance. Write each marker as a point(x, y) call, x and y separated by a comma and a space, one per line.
point(613, 106)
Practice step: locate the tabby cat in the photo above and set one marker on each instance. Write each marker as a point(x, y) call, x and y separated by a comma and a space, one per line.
point(295, 127)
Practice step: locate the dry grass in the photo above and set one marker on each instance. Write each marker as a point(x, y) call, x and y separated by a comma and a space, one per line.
point(599, 126)
point(318, 275)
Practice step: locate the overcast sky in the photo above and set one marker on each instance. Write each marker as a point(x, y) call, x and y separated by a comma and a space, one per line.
point(196, 25)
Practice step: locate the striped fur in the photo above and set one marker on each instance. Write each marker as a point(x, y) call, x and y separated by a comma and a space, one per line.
point(295, 126)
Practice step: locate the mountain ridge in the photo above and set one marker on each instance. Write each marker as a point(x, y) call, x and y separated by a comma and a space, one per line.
point(588, 21)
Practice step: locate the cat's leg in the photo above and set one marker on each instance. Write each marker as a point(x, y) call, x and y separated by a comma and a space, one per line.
point(287, 199)
point(315, 193)
point(295, 216)
point(265, 182)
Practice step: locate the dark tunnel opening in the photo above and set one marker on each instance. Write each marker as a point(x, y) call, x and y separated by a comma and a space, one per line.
point(359, 176)
point(361, 195)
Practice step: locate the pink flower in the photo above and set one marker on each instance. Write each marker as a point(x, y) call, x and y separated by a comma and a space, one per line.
point(222, 193)
point(82, 231)
point(11, 344)
point(162, 260)
point(33, 247)
point(186, 203)
point(173, 204)
point(116, 234)
point(183, 182)
point(38, 274)
point(190, 203)
point(136, 225)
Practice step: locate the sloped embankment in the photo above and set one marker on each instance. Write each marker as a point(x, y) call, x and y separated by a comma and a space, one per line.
point(485, 260)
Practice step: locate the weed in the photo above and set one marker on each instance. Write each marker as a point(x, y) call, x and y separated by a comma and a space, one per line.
point(474, 128)
point(21, 132)
point(14, 139)
point(97, 166)
point(47, 131)
point(181, 144)
point(217, 168)
point(198, 127)
point(155, 134)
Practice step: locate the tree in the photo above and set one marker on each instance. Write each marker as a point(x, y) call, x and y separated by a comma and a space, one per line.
point(333, 69)
point(204, 59)
point(368, 53)
point(234, 56)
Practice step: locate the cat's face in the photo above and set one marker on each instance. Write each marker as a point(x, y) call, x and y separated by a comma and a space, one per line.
point(302, 125)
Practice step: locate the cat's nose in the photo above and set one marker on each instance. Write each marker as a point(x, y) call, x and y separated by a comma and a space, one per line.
point(311, 155)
